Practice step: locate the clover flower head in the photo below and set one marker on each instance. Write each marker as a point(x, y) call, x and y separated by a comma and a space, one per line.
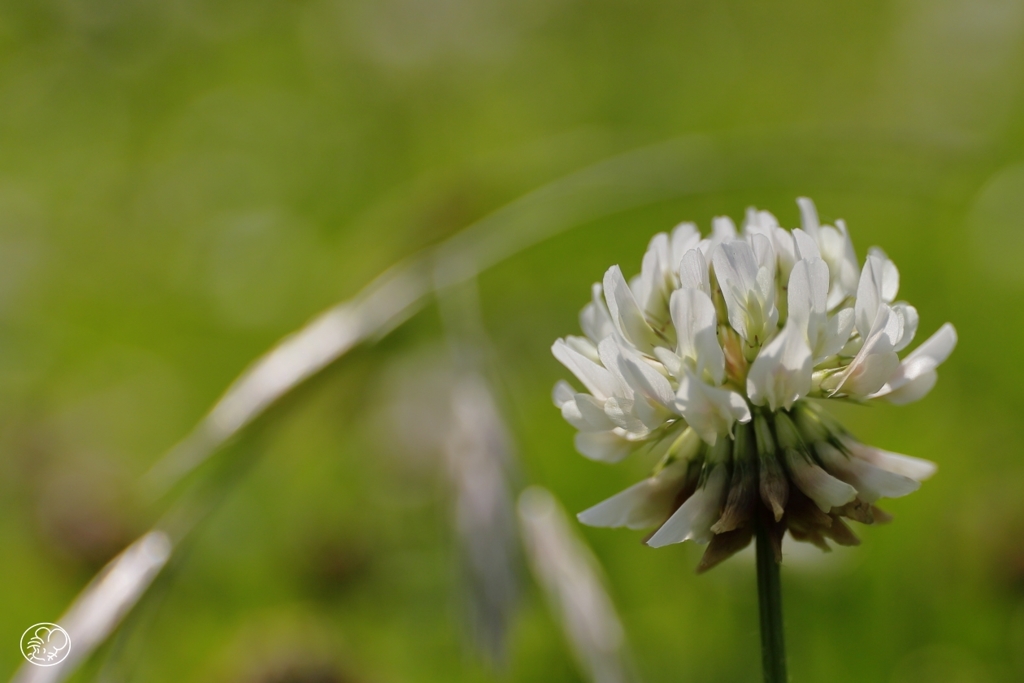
point(717, 359)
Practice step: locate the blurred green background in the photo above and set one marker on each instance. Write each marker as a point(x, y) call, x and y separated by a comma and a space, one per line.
point(182, 183)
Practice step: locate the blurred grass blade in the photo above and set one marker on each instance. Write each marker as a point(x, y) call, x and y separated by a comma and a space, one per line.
point(386, 302)
point(626, 181)
point(571, 579)
point(479, 456)
point(99, 608)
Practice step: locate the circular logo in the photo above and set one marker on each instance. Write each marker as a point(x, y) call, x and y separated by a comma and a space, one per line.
point(45, 644)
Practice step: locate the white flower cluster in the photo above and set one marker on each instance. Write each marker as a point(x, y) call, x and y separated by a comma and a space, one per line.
point(707, 358)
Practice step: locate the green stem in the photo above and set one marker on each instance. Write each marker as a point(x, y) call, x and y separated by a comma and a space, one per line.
point(769, 598)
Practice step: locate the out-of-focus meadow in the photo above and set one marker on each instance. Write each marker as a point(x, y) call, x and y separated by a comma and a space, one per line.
point(183, 183)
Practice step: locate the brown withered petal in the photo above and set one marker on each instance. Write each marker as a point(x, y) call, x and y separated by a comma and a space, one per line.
point(739, 505)
point(723, 546)
point(806, 522)
point(776, 531)
point(774, 486)
point(880, 515)
point(811, 536)
point(840, 533)
point(804, 513)
point(857, 510)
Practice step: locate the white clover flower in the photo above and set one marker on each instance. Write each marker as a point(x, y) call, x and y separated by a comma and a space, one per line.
point(716, 358)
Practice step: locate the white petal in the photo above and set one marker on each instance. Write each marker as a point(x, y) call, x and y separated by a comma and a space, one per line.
point(583, 346)
point(909, 320)
point(807, 293)
point(709, 410)
point(736, 269)
point(764, 254)
point(853, 345)
point(656, 276)
point(890, 332)
point(633, 411)
point(759, 222)
point(642, 505)
point(879, 283)
point(592, 413)
point(562, 393)
point(908, 466)
point(610, 353)
point(625, 312)
point(785, 251)
point(693, 272)
point(837, 251)
point(870, 374)
point(837, 333)
point(808, 216)
point(622, 412)
point(598, 380)
point(766, 290)
point(571, 414)
point(693, 315)
point(736, 264)
point(825, 490)
point(890, 279)
point(869, 296)
point(921, 362)
point(914, 390)
point(672, 362)
point(644, 379)
point(603, 446)
point(781, 373)
point(738, 408)
point(932, 353)
point(722, 229)
point(806, 246)
point(871, 482)
point(652, 413)
point(694, 518)
point(876, 360)
point(595, 321)
point(762, 314)
point(685, 237)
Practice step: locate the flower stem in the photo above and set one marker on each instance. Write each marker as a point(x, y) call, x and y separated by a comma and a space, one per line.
point(769, 598)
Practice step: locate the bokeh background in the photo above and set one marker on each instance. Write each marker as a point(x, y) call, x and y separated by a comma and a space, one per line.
point(182, 183)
